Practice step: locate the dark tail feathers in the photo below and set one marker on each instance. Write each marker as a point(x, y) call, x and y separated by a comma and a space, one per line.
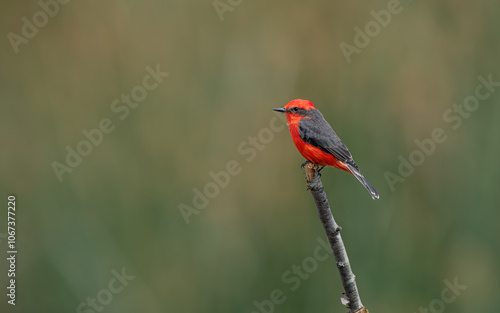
point(362, 180)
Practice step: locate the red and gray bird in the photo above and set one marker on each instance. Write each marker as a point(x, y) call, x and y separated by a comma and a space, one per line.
point(317, 142)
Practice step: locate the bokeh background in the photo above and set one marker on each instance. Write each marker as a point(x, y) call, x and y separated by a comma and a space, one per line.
point(120, 207)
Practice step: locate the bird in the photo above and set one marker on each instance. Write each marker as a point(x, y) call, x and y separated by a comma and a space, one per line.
point(317, 141)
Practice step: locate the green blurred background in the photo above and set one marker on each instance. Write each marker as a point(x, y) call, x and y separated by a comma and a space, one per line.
point(120, 207)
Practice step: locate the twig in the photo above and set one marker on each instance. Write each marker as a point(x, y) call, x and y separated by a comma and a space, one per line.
point(350, 298)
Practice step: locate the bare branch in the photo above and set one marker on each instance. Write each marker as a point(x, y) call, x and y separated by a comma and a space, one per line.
point(350, 298)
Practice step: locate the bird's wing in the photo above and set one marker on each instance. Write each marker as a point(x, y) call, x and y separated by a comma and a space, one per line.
point(317, 132)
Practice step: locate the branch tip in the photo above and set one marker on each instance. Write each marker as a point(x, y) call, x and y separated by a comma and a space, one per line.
point(310, 171)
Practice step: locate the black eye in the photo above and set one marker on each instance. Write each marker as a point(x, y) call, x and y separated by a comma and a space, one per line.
point(295, 109)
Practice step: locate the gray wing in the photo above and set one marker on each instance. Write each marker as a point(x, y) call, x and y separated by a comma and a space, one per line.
point(317, 132)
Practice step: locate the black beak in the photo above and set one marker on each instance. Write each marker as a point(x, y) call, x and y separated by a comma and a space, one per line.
point(282, 110)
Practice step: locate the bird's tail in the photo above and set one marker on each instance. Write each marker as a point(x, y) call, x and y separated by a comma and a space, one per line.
point(362, 180)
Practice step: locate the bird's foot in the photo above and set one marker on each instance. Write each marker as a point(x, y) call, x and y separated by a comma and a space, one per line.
point(315, 166)
point(304, 164)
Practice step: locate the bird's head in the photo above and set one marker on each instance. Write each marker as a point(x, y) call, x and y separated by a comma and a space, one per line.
point(296, 109)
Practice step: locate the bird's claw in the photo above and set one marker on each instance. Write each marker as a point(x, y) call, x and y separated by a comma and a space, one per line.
point(304, 164)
